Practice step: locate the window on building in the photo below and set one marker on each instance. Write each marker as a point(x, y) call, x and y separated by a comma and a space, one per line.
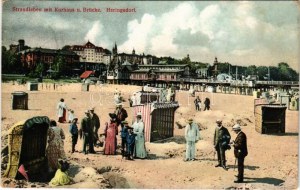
point(172, 77)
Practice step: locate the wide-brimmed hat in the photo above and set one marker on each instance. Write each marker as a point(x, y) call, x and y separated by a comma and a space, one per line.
point(218, 121)
point(112, 115)
point(236, 127)
point(190, 120)
point(87, 111)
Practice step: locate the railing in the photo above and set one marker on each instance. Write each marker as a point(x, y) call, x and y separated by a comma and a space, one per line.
point(278, 82)
point(239, 82)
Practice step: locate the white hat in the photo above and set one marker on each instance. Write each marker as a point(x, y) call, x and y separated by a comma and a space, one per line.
point(139, 114)
point(218, 121)
point(236, 127)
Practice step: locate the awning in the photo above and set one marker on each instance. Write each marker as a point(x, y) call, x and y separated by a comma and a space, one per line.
point(86, 74)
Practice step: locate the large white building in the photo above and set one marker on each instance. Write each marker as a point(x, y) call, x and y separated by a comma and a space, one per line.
point(91, 53)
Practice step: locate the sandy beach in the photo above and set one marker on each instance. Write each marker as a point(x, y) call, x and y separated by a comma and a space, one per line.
point(272, 162)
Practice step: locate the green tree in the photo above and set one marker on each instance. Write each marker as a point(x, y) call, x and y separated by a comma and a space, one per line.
point(262, 72)
point(251, 70)
point(59, 66)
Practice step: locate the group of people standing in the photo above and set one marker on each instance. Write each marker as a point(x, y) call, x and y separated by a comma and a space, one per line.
point(198, 104)
point(221, 144)
point(132, 138)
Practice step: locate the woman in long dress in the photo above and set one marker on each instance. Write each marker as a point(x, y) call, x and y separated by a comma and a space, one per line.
point(138, 130)
point(55, 149)
point(61, 111)
point(111, 132)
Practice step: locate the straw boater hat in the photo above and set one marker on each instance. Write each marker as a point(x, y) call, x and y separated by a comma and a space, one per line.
point(218, 121)
point(236, 127)
point(92, 109)
point(139, 114)
point(190, 120)
point(86, 111)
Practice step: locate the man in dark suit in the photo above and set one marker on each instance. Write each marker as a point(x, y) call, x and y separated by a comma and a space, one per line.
point(86, 132)
point(221, 140)
point(240, 151)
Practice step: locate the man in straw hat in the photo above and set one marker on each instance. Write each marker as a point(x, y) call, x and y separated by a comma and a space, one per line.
point(192, 135)
point(86, 132)
point(221, 134)
point(95, 124)
point(240, 151)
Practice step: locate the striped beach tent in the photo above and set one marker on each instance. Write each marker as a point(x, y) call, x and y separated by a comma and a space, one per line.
point(158, 119)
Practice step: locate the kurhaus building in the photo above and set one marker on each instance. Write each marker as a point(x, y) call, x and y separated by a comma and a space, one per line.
point(91, 53)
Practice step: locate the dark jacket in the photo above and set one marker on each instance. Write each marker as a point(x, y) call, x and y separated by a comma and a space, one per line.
point(240, 145)
point(95, 121)
point(207, 102)
point(121, 115)
point(222, 136)
point(86, 126)
point(196, 101)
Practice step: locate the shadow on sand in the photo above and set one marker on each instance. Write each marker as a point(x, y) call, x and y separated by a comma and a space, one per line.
point(268, 180)
point(246, 167)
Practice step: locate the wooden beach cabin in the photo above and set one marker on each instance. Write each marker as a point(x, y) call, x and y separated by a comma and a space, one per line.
point(158, 119)
point(270, 118)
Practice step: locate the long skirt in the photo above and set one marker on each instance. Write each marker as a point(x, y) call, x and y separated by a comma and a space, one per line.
point(63, 118)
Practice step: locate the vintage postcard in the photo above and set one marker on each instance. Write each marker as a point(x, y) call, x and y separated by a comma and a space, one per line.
point(150, 94)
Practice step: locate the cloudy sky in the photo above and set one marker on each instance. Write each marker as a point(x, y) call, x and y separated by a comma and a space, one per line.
point(238, 32)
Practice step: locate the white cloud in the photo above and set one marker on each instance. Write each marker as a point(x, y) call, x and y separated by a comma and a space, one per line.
point(138, 33)
point(94, 32)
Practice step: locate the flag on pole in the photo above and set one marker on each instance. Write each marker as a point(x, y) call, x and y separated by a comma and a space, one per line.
point(23, 171)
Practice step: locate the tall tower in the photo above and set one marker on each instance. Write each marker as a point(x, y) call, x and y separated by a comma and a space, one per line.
point(115, 50)
point(215, 66)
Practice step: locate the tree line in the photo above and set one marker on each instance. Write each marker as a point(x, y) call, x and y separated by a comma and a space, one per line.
point(12, 64)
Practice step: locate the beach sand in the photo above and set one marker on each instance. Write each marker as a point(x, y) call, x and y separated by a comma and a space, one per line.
point(272, 162)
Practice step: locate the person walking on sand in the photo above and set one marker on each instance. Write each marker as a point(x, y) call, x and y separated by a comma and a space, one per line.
point(192, 135)
point(86, 132)
point(221, 141)
point(55, 149)
point(197, 103)
point(61, 111)
point(138, 130)
point(73, 129)
point(206, 104)
point(240, 151)
point(111, 132)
